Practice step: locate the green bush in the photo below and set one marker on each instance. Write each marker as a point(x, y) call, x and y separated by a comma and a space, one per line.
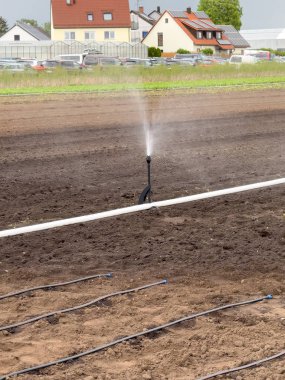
point(182, 51)
point(276, 52)
point(154, 52)
point(208, 51)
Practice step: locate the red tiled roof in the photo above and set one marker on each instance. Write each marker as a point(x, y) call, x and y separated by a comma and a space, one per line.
point(75, 15)
point(205, 25)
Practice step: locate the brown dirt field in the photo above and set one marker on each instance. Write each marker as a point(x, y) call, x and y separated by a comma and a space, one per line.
point(64, 156)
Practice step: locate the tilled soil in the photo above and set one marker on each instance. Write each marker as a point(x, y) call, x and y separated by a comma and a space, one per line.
point(64, 156)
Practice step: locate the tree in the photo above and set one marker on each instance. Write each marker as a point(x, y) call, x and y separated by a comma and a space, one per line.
point(29, 21)
point(47, 28)
point(3, 26)
point(226, 12)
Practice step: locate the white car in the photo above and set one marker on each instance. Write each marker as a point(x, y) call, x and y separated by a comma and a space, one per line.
point(239, 59)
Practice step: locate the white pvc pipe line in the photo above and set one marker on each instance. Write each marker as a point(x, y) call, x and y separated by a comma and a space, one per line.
point(131, 209)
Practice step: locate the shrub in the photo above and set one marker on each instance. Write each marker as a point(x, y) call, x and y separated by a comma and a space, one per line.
point(208, 51)
point(182, 51)
point(154, 52)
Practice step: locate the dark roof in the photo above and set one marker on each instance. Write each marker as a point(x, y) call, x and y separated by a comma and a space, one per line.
point(197, 25)
point(234, 36)
point(75, 14)
point(183, 14)
point(201, 14)
point(36, 32)
point(180, 14)
point(224, 42)
point(144, 17)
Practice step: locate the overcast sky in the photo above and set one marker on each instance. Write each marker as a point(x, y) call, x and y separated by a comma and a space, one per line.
point(257, 14)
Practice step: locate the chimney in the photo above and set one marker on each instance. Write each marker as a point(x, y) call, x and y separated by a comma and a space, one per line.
point(158, 9)
point(189, 10)
point(141, 9)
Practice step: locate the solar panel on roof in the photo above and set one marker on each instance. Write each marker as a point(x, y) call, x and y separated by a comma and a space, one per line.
point(201, 14)
point(179, 14)
point(227, 28)
point(205, 25)
point(224, 42)
point(192, 24)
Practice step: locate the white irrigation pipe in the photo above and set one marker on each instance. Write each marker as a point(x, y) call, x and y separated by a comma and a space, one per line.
point(132, 209)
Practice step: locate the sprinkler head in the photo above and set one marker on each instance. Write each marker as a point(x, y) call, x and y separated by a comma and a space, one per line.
point(148, 159)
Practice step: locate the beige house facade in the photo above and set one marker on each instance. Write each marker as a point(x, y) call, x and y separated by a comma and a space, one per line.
point(90, 21)
point(167, 26)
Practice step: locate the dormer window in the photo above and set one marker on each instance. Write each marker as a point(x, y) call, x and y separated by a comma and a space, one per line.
point(199, 35)
point(90, 16)
point(108, 16)
point(218, 35)
point(209, 35)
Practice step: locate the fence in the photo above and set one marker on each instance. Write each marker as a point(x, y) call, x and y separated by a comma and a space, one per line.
point(50, 49)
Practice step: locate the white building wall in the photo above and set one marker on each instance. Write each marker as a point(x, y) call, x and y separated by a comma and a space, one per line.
point(265, 38)
point(16, 30)
point(174, 37)
point(141, 25)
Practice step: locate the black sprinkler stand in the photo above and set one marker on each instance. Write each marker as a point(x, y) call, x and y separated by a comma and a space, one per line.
point(146, 194)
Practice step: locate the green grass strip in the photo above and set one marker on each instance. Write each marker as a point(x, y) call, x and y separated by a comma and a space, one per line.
point(164, 85)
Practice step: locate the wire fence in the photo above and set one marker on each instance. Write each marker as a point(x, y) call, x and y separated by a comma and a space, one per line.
point(50, 49)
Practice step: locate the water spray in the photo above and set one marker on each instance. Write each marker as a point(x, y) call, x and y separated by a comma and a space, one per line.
point(146, 194)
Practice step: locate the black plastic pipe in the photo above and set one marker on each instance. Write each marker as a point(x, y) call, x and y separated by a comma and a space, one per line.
point(246, 366)
point(127, 338)
point(78, 307)
point(52, 286)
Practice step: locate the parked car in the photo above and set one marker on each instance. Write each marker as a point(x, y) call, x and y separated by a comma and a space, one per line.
point(197, 57)
point(279, 59)
point(237, 59)
point(91, 60)
point(28, 62)
point(181, 62)
point(13, 66)
point(51, 64)
point(146, 62)
point(79, 58)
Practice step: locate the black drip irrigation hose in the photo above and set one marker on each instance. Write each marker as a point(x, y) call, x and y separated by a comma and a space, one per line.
point(52, 286)
point(246, 366)
point(134, 336)
point(78, 307)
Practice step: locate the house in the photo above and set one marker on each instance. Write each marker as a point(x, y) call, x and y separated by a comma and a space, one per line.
point(89, 20)
point(156, 14)
point(193, 31)
point(235, 38)
point(141, 25)
point(22, 32)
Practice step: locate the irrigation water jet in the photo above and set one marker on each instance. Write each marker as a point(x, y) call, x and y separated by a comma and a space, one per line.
point(147, 190)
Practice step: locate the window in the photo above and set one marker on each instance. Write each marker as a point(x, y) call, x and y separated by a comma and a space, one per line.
point(90, 16)
point(159, 39)
point(69, 35)
point(209, 35)
point(144, 34)
point(166, 21)
point(109, 35)
point(89, 36)
point(199, 35)
point(108, 16)
point(16, 37)
point(218, 35)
